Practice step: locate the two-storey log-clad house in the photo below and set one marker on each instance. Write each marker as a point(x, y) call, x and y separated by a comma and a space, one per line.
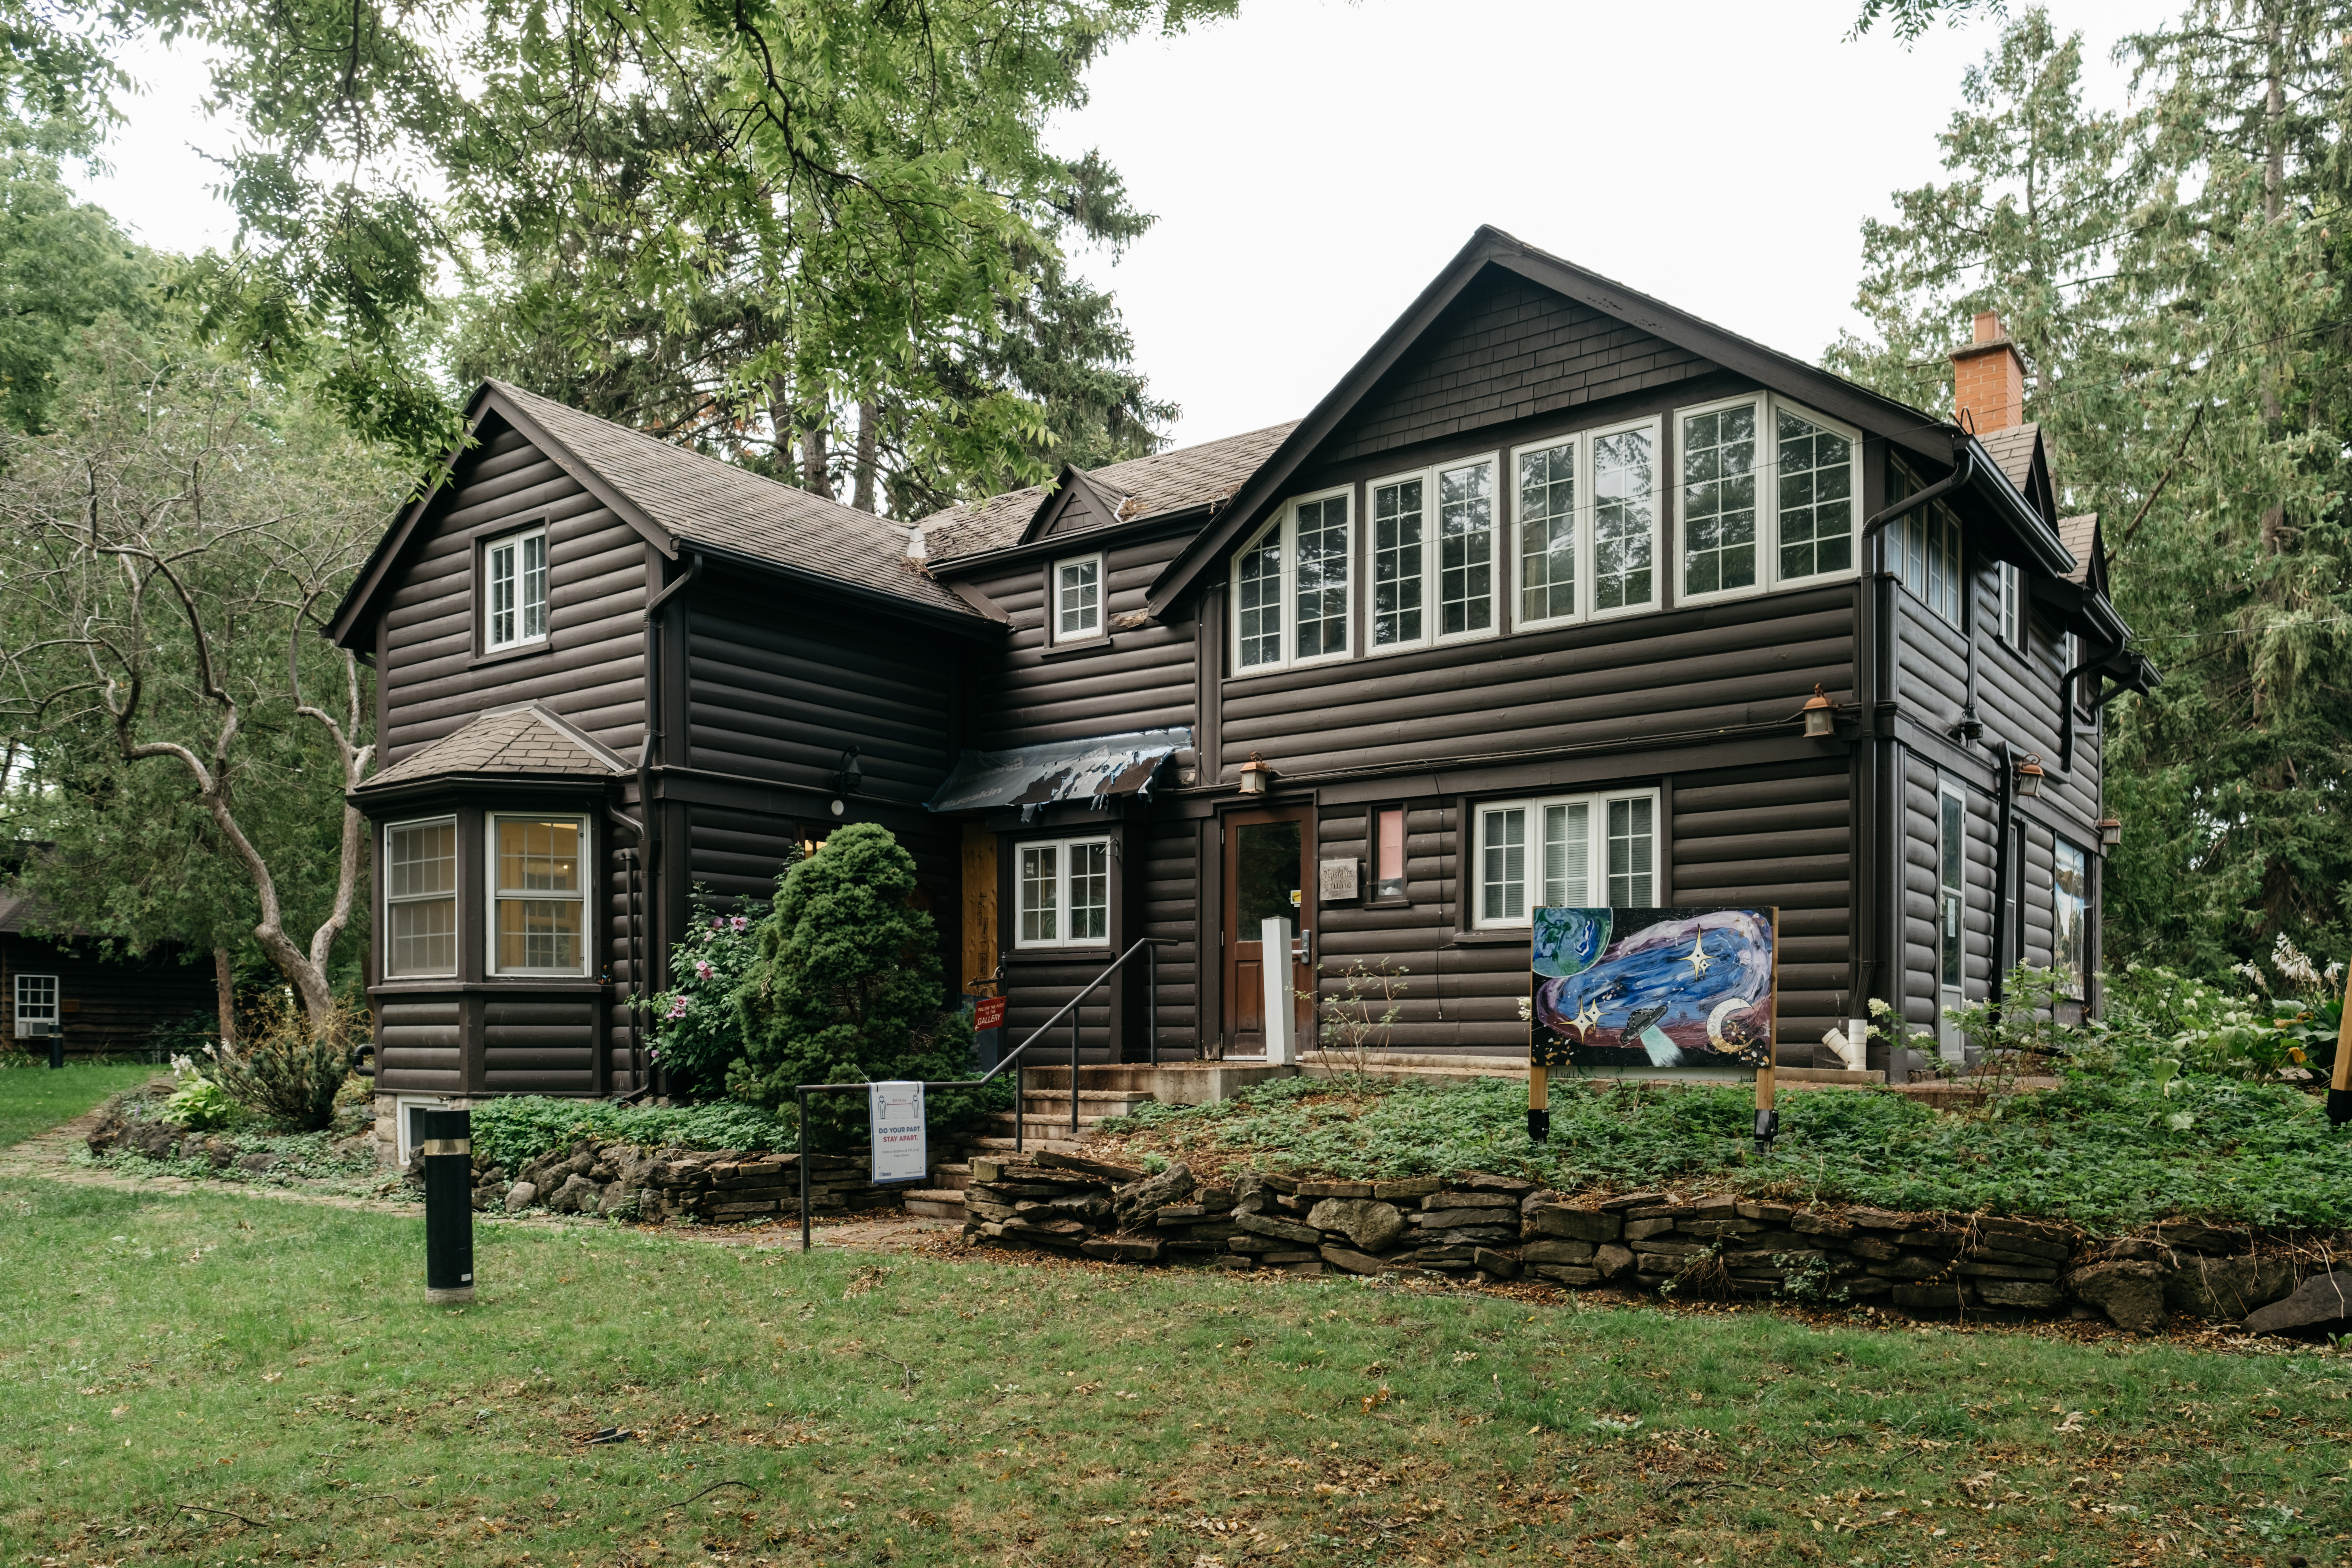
point(1528, 610)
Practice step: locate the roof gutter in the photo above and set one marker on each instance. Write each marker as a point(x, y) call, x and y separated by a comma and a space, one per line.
point(1964, 464)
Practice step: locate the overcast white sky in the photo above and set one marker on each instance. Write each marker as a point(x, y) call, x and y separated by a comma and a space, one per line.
point(1314, 163)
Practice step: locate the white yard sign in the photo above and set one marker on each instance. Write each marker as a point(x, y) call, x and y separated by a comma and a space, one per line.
point(901, 1148)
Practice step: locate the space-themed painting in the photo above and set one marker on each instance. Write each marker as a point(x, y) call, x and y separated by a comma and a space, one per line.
point(1654, 990)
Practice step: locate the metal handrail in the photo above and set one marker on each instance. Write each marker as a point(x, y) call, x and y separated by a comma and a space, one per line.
point(1149, 945)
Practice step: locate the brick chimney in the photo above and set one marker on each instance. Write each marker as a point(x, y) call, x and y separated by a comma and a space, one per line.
point(1988, 379)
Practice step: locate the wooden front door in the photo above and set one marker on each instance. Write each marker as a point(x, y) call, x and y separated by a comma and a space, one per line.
point(1267, 860)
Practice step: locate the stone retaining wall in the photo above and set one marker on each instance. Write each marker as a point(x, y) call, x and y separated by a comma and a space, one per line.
point(1495, 1227)
point(710, 1186)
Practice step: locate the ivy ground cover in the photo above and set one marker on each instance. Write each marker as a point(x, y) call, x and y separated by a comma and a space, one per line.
point(210, 1379)
point(2107, 1153)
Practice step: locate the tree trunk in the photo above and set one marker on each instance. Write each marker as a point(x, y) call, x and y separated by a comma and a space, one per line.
point(2274, 207)
point(815, 474)
point(224, 985)
point(868, 417)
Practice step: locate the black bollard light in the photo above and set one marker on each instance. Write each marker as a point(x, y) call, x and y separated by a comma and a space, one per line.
point(448, 1139)
point(57, 1046)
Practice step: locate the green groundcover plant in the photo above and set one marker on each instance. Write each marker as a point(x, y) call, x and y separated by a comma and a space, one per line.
point(2107, 1151)
point(518, 1130)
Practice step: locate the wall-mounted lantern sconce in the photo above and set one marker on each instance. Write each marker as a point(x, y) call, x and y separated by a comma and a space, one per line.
point(2111, 832)
point(1254, 773)
point(847, 780)
point(1821, 715)
point(2029, 777)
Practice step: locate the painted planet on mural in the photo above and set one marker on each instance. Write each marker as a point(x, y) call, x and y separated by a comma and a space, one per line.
point(1658, 988)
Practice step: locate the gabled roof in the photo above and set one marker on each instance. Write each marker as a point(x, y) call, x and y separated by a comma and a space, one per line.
point(521, 739)
point(2081, 537)
point(677, 498)
point(2014, 450)
point(1490, 246)
point(1140, 488)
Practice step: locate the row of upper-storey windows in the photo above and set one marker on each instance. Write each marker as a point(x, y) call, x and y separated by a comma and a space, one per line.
point(1765, 497)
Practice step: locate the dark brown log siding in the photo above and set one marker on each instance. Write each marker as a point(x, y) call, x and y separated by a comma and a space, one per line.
point(1131, 679)
point(109, 1007)
point(419, 1046)
point(1507, 350)
point(591, 672)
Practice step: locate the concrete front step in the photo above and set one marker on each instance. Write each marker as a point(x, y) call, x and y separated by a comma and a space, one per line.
point(952, 1176)
point(1029, 1145)
point(1048, 1124)
point(936, 1205)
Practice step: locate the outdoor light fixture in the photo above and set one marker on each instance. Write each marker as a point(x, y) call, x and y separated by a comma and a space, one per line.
point(2029, 777)
point(1821, 715)
point(846, 781)
point(1254, 773)
point(2111, 832)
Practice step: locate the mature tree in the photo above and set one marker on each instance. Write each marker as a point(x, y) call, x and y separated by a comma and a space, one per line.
point(2176, 286)
point(171, 548)
point(833, 196)
point(63, 265)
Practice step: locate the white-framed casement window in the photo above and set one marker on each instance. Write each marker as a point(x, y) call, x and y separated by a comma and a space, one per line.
point(1923, 549)
point(1766, 499)
point(514, 608)
point(1293, 587)
point(37, 1006)
point(1435, 543)
point(539, 894)
point(1550, 535)
point(1624, 467)
point(420, 897)
point(1952, 915)
point(1077, 598)
point(1570, 850)
point(2012, 588)
point(1062, 893)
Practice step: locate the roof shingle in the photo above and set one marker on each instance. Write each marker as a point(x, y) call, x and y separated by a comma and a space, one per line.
point(2014, 450)
point(524, 738)
point(1143, 487)
point(2081, 537)
point(702, 499)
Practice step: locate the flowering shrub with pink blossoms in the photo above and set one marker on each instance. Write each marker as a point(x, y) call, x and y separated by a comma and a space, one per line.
point(695, 1027)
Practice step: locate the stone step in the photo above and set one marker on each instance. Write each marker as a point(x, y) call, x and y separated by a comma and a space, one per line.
point(1089, 1103)
point(952, 1176)
point(1047, 1124)
point(1130, 1078)
point(936, 1205)
point(1028, 1145)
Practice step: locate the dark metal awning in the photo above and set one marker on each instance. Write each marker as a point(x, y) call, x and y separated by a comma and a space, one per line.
point(1033, 777)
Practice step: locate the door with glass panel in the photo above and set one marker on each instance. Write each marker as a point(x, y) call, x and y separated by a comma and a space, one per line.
point(1266, 874)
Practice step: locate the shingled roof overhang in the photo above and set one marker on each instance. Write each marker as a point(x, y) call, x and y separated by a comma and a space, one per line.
point(1490, 246)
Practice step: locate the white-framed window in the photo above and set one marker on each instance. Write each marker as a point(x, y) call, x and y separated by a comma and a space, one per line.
point(1952, 914)
point(1570, 850)
point(1923, 549)
point(1293, 587)
point(1625, 465)
point(539, 894)
point(1397, 547)
point(1435, 545)
point(1466, 549)
point(1077, 598)
point(1062, 893)
point(1551, 539)
point(37, 1006)
point(2070, 903)
point(420, 897)
point(515, 607)
point(2012, 588)
point(404, 1122)
point(1766, 498)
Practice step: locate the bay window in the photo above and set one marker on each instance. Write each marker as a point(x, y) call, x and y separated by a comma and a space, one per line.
point(1767, 496)
point(538, 895)
point(1062, 893)
point(420, 897)
point(515, 607)
point(1568, 852)
point(1292, 587)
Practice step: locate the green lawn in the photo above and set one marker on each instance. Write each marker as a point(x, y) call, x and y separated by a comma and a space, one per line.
point(34, 1100)
point(275, 1361)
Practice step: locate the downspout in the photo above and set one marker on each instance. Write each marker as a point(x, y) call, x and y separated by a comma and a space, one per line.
point(647, 747)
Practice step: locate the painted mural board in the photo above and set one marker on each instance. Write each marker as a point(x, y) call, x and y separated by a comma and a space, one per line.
point(1654, 991)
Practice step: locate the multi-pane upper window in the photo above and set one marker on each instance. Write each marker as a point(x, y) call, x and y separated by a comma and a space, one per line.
point(1767, 498)
point(1625, 519)
point(420, 897)
point(1292, 588)
point(2012, 606)
point(1923, 549)
point(1397, 563)
point(1466, 549)
point(1578, 850)
point(1548, 533)
point(1078, 597)
point(539, 900)
point(1063, 893)
point(515, 608)
point(37, 1006)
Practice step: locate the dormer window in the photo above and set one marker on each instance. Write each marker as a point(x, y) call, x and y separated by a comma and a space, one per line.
point(515, 607)
point(1077, 598)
